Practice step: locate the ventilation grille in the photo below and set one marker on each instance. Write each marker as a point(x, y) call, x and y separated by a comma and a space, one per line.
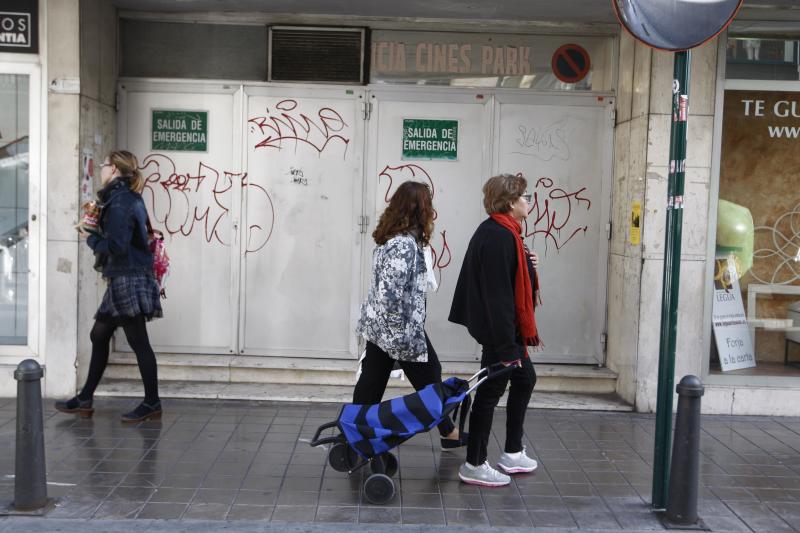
point(316, 54)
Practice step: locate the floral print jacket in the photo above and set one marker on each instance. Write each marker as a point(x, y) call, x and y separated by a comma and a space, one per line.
point(393, 315)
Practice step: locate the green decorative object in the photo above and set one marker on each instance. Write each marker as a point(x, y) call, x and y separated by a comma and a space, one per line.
point(736, 234)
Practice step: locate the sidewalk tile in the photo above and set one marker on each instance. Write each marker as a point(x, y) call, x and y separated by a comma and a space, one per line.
point(131, 494)
point(466, 517)
point(552, 519)
point(337, 514)
point(639, 521)
point(250, 512)
point(595, 519)
point(509, 518)
point(379, 515)
point(162, 511)
point(256, 497)
point(117, 510)
point(222, 482)
point(421, 500)
point(221, 496)
point(172, 495)
point(421, 516)
point(206, 511)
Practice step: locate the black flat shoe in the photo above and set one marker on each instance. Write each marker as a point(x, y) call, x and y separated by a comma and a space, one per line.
point(143, 412)
point(82, 408)
point(449, 444)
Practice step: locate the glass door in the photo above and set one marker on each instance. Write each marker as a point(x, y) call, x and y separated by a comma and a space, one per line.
point(18, 227)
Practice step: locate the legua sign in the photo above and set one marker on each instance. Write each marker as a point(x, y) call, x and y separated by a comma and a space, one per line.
point(430, 139)
point(734, 344)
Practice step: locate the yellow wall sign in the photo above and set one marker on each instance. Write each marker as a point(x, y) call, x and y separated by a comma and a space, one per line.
point(636, 222)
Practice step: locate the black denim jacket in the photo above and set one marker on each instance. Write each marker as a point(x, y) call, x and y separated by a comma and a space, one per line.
point(123, 231)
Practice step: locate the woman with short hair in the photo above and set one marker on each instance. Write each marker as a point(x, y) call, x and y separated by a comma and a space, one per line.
point(392, 317)
point(132, 294)
point(495, 298)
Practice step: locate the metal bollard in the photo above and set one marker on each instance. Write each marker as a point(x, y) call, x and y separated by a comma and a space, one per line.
point(30, 474)
point(685, 468)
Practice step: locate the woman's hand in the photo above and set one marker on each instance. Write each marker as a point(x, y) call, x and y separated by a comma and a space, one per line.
point(534, 259)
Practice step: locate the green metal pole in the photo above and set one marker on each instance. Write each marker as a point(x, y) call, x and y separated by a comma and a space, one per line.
point(671, 278)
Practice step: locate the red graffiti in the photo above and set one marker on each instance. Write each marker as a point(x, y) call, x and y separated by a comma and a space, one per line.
point(260, 216)
point(286, 124)
point(442, 258)
point(406, 173)
point(552, 209)
point(181, 202)
point(442, 255)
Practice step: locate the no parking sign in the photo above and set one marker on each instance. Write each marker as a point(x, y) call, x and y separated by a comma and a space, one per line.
point(571, 63)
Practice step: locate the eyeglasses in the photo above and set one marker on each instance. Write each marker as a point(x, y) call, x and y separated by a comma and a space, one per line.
point(527, 197)
point(105, 165)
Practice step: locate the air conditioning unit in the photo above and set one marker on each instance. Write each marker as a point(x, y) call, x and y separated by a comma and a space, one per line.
point(314, 54)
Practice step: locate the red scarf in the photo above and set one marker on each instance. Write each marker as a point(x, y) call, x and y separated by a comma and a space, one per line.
point(523, 288)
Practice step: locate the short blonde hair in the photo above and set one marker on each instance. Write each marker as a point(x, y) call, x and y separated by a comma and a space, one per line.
point(128, 165)
point(499, 192)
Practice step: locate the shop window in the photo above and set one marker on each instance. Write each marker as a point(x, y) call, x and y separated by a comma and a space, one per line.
point(198, 51)
point(751, 58)
point(14, 162)
point(756, 302)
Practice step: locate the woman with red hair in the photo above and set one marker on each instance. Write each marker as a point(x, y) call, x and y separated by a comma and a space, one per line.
point(392, 320)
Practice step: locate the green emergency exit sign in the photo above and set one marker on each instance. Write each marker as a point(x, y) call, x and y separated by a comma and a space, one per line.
point(430, 139)
point(180, 131)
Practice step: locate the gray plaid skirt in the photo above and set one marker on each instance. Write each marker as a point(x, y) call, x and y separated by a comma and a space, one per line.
point(130, 296)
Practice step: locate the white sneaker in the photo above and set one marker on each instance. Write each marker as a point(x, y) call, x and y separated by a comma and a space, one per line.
point(517, 463)
point(483, 475)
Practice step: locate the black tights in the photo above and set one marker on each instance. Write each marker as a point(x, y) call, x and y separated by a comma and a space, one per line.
point(136, 333)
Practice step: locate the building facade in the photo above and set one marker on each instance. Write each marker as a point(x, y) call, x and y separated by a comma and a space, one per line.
point(271, 143)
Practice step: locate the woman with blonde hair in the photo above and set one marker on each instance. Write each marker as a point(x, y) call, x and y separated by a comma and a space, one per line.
point(132, 294)
point(393, 316)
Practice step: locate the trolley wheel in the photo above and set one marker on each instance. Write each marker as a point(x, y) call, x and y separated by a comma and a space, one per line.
point(389, 464)
point(379, 489)
point(341, 457)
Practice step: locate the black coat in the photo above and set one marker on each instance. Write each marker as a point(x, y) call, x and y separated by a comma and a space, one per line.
point(484, 295)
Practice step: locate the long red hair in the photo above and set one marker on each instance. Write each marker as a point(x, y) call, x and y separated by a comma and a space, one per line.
point(410, 210)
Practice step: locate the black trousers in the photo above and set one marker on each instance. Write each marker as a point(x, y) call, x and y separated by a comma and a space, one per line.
point(375, 370)
point(522, 381)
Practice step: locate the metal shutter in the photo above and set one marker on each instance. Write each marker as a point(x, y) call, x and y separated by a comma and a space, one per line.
point(315, 54)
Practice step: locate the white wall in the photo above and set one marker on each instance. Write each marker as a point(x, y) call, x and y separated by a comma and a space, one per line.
point(689, 348)
point(641, 158)
point(97, 135)
point(61, 265)
point(625, 259)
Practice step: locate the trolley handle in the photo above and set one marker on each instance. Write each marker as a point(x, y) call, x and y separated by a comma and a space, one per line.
point(492, 371)
point(316, 441)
